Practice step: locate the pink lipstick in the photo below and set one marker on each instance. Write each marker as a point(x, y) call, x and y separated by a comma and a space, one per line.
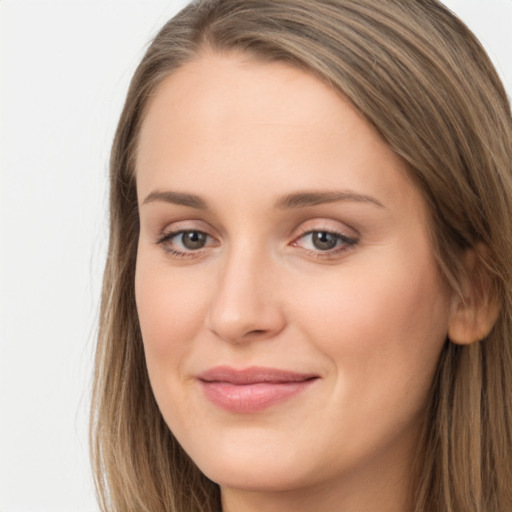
point(252, 389)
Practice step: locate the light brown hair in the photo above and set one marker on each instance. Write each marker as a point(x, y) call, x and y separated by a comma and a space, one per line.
point(422, 79)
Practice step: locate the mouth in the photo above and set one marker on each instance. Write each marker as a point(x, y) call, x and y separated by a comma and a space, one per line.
point(252, 389)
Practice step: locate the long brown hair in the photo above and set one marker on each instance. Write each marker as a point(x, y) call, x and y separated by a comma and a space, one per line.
point(422, 79)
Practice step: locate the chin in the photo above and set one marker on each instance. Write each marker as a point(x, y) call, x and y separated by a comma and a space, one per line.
point(256, 477)
point(256, 470)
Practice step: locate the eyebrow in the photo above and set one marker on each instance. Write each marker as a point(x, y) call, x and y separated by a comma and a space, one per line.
point(304, 199)
point(179, 198)
point(294, 200)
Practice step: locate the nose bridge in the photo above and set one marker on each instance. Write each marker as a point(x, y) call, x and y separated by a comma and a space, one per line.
point(244, 305)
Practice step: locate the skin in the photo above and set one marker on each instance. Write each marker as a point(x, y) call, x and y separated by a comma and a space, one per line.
point(368, 317)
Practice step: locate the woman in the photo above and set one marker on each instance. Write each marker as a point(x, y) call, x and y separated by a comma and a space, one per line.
point(307, 300)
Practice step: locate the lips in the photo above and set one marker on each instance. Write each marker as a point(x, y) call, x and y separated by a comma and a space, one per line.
point(252, 389)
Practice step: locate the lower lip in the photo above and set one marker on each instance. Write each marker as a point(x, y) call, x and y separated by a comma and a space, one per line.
point(248, 398)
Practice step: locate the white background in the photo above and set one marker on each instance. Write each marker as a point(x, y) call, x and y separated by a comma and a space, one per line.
point(64, 70)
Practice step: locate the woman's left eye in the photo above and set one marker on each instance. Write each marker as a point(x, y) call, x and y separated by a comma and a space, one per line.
point(323, 241)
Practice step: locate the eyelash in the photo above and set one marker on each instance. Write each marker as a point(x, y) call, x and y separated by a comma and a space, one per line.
point(347, 243)
point(163, 241)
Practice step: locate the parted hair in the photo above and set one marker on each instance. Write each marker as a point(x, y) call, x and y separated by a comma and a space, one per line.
point(425, 83)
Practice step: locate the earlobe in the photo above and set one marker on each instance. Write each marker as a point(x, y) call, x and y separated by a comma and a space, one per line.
point(473, 314)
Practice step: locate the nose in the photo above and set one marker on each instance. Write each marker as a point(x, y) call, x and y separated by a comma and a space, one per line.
point(245, 304)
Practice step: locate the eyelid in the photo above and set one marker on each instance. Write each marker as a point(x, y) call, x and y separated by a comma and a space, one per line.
point(171, 234)
point(342, 236)
point(174, 229)
point(348, 237)
point(329, 225)
point(187, 224)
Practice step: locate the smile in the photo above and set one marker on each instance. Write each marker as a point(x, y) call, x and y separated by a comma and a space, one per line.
point(252, 389)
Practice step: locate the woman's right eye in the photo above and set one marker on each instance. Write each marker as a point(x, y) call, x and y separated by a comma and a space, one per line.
point(186, 242)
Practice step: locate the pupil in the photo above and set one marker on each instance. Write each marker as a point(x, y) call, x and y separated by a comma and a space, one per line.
point(193, 239)
point(324, 241)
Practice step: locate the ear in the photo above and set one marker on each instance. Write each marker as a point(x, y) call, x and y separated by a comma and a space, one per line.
point(473, 315)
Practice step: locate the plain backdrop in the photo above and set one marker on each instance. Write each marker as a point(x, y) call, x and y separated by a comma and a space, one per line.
point(64, 71)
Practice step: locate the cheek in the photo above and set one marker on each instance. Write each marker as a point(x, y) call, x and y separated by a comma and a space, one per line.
point(170, 311)
point(382, 328)
point(170, 316)
point(380, 323)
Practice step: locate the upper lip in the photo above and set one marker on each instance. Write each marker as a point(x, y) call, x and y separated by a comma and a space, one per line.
point(253, 375)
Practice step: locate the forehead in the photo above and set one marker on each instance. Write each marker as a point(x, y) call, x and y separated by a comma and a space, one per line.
point(228, 95)
point(231, 79)
point(258, 127)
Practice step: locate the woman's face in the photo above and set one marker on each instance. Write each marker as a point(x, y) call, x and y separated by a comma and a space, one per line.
point(291, 308)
